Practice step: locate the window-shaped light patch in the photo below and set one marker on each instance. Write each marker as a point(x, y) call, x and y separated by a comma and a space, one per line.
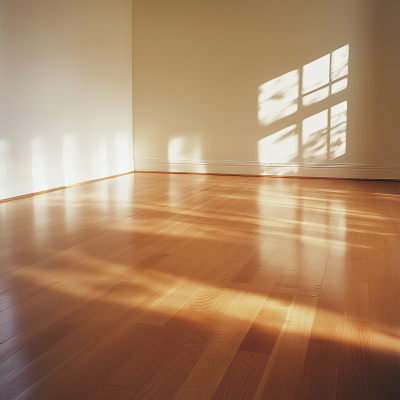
point(279, 147)
point(316, 96)
point(340, 63)
point(316, 74)
point(278, 98)
point(314, 138)
point(186, 147)
point(338, 130)
point(339, 86)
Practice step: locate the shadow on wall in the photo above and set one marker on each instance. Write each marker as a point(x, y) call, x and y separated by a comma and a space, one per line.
point(304, 112)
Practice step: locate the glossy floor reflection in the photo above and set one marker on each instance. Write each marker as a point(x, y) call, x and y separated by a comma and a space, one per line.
point(172, 286)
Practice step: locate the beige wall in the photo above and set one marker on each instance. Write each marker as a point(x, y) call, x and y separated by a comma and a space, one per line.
point(384, 144)
point(199, 66)
point(65, 92)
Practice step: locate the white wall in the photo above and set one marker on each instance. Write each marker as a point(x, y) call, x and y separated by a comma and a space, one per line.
point(65, 92)
point(200, 66)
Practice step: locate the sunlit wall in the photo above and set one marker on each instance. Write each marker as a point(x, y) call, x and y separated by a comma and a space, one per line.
point(263, 87)
point(65, 92)
point(313, 134)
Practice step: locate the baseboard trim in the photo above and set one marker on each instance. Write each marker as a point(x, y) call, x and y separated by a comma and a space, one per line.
point(298, 170)
point(248, 168)
point(63, 187)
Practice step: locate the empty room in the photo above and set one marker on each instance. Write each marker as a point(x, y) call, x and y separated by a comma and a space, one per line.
point(199, 199)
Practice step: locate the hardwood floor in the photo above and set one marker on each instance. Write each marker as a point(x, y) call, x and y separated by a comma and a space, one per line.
point(158, 286)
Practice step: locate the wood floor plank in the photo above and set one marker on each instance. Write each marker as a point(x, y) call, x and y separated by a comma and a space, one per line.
point(287, 359)
point(356, 376)
point(81, 371)
point(212, 365)
point(193, 393)
point(242, 377)
point(336, 270)
point(27, 377)
point(385, 321)
point(321, 366)
point(170, 302)
point(249, 270)
point(320, 372)
point(168, 378)
point(29, 353)
point(357, 270)
point(330, 313)
point(264, 331)
point(23, 295)
point(394, 262)
point(154, 348)
point(107, 392)
point(357, 302)
point(312, 279)
point(208, 310)
point(78, 313)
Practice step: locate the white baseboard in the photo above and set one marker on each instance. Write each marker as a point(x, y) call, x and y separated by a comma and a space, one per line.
point(345, 171)
point(23, 185)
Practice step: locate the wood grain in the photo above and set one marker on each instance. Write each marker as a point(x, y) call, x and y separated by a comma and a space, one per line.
point(356, 378)
point(242, 377)
point(321, 365)
point(179, 286)
point(287, 359)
